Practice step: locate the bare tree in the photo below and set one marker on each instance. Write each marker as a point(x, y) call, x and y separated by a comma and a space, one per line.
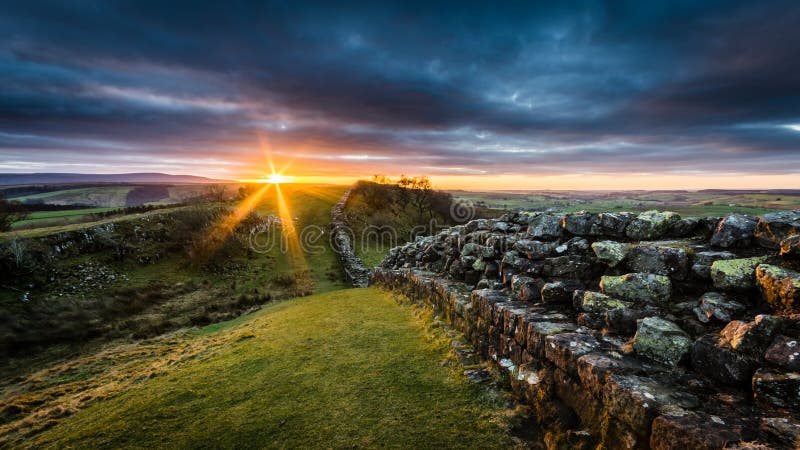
point(10, 212)
point(18, 248)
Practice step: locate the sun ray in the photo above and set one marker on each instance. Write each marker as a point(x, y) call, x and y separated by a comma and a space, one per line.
point(293, 247)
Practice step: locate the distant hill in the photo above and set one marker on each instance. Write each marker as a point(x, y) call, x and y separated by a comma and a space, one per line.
point(8, 179)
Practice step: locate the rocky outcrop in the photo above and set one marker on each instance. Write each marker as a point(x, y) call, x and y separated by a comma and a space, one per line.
point(619, 342)
point(354, 269)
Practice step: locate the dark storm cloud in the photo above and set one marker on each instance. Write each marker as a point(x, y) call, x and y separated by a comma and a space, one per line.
point(574, 87)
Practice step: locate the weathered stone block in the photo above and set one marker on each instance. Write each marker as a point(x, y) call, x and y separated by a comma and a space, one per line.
point(713, 305)
point(780, 287)
point(687, 430)
point(596, 302)
point(772, 228)
point(651, 225)
point(735, 274)
point(560, 291)
point(777, 389)
point(611, 252)
point(735, 230)
point(535, 249)
point(751, 338)
point(784, 352)
point(569, 266)
point(703, 261)
point(659, 260)
point(715, 359)
point(637, 287)
point(661, 340)
point(564, 349)
point(790, 247)
point(545, 226)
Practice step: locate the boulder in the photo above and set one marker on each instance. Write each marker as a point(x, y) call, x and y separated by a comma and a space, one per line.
point(751, 338)
point(637, 287)
point(780, 287)
point(692, 430)
point(651, 225)
point(560, 291)
point(783, 432)
point(790, 247)
point(703, 261)
point(545, 226)
point(784, 352)
point(596, 302)
point(714, 358)
point(772, 228)
point(610, 252)
point(735, 230)
point(776, 389)
point(735, 274)
point(661, 340)
point(713, 305)
point(659, 260)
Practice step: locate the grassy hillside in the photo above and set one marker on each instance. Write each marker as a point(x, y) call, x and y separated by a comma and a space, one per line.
point(158, 285)
point(350, 368)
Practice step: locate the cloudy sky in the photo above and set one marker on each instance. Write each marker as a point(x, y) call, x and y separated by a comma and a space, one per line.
point(570, 95)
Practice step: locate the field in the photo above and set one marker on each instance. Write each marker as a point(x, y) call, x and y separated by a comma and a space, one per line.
point(700, 203)
point(351, 368)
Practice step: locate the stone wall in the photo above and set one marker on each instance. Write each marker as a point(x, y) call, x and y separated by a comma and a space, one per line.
point(627, 330)
point(358, 275)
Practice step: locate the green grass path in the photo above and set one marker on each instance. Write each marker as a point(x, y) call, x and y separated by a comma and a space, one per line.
point(344, 369)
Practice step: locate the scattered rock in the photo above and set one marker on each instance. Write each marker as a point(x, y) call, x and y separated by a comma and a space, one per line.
point(734, 230)
point(661, 340)
point(780, 287)
point(637, 287)
point(478, 376)
point(735, 274)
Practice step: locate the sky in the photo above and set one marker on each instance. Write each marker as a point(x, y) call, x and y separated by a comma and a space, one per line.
point(548, 95)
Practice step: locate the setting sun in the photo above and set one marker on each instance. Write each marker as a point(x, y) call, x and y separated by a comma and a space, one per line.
point(277, 178)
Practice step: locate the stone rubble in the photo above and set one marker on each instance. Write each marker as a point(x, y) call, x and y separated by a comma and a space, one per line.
point(627, 330)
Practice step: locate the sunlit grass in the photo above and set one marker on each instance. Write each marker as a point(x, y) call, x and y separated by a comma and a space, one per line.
point(350, 368)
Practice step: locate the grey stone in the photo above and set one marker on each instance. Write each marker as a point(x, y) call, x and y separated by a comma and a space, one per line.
point(661, 340)
point(780, 287)
point(545, 226)
point(659, 260)
point(651, 225)
point(611, 252)
point(637, 287)
point(772, 228)
point(703, 261)
point(734, 230)
point(717, 306)
point(735, 274)
point(784, 352)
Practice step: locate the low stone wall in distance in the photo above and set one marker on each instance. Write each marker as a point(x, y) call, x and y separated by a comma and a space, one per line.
point(358, 275)
point(627, 330)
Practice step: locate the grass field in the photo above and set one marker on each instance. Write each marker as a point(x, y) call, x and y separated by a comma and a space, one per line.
point(41, 219)
point(685, 203)
point(346, 369)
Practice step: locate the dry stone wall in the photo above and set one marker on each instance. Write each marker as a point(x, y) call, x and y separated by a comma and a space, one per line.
point(628, 330)
point(358, 275)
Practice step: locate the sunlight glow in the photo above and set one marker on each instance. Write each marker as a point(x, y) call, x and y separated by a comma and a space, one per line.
point(277, 178)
